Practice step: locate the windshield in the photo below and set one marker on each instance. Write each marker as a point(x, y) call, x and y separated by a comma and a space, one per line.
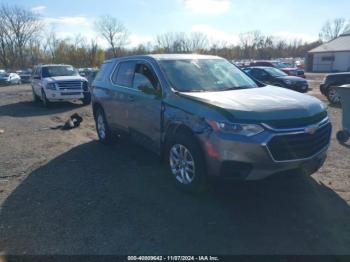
point(52, 71)
point(204, 75)
point(275, 72)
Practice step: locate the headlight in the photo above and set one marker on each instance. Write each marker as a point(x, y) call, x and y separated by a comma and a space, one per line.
point(236, 128)
point(51, 86)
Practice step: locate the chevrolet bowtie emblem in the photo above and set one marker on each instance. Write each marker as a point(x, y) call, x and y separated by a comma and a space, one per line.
point(311, 130)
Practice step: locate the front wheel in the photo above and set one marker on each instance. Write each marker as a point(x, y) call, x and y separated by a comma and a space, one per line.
point(186, 163)
point(87, 99)
point(46, 103)
point(343, 136)
point(35, 97)
point(333, 96)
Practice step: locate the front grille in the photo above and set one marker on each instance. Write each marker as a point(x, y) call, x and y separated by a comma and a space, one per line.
point(299, 146)
point(69, 85)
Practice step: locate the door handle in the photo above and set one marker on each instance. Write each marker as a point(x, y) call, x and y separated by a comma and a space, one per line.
point(131, 98)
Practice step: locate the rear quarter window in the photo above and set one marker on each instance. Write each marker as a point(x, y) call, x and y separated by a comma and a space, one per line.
point(103, 73)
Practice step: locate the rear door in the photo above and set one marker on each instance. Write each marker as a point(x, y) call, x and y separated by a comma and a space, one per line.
point(121, 94)
point(144, 107)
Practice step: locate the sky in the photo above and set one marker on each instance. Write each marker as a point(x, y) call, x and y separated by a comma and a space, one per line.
point(221, 20)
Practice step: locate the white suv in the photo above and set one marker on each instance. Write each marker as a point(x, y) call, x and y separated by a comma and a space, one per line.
point(55, 83)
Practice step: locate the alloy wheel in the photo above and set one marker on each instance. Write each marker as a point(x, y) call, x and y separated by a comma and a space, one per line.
point(182, 164)
point(101, 127)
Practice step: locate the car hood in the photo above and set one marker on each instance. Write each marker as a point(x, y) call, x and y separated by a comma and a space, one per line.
point(292, 78)
point(266, 104)
point(65, 78)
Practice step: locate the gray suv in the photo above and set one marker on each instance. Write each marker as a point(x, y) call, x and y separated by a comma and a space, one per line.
point(206, 117)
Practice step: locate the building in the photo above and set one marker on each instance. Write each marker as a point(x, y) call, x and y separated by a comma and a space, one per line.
point(333, 56)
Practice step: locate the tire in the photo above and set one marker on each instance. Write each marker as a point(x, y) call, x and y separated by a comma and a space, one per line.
point(343, 136)
point(87, 99)
point(333, 96)
point(36, 99)
point(45, 102)
point(103, 131)
point(191, 176)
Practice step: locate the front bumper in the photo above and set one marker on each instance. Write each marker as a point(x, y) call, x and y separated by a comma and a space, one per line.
point(245, 158)
point(54, 95)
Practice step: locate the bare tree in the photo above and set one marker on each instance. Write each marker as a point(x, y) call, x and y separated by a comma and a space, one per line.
point(179, 42)
point(333, 28)
point(18, 27)
point(114, 32)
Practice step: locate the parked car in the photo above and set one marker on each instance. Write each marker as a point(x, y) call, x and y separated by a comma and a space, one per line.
point(329, 84)
point(276, 77)
point(288, 69)
point(10, 79)
point(25, 75)
point(55, 83)
point(207, 118)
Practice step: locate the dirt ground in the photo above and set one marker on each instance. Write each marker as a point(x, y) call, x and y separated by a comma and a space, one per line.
point(62, 192)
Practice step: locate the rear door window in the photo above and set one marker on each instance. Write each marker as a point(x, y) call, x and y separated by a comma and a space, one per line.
point(124, 74)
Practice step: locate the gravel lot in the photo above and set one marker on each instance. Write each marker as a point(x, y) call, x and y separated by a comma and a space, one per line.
point(61, 192)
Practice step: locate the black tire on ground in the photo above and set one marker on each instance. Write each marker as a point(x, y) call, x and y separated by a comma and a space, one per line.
point(36, 99)
point(200, 181)
point(103, 131)
point(87, 99)
point(45, 102)
point(332, 96)
point(343, 136)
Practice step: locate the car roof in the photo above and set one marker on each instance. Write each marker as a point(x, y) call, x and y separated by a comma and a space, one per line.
point(166, 57)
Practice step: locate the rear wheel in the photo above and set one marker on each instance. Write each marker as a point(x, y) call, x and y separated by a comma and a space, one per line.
point(333, 96)
point(186, 163)
point(102, 128)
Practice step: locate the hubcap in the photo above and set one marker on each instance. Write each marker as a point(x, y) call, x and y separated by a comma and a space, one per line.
point(182, 164)
point(333, 95)
point(101, 126)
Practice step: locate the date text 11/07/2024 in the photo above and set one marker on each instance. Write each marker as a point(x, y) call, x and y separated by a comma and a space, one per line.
point(173, 258)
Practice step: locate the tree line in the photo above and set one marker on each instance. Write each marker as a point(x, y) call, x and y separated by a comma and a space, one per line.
point(26, 41)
